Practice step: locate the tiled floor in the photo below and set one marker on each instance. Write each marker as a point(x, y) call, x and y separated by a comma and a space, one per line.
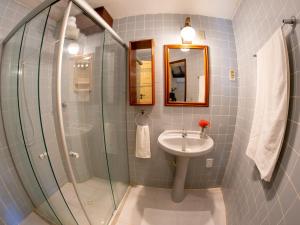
point(143, 206)
point(33, 219)
point(96, 197)
point(153, 206)
point(97, 200)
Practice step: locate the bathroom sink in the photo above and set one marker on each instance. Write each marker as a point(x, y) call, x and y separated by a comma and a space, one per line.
point(187, 143)
point(184, 145)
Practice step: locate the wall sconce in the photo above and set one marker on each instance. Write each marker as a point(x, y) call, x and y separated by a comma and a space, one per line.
point(187, 33)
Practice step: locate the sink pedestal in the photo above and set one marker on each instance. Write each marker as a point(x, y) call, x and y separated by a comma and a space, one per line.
point(183, 145)
point(181, 170)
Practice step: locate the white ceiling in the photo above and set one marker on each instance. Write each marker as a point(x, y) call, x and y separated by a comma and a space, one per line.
point(122, 8)
point(215, 8)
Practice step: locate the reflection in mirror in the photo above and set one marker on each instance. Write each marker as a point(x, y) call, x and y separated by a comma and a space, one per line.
point(186, 75)
point(141, 72)
point(187, 83)
point(178, 80)
point(143, 76)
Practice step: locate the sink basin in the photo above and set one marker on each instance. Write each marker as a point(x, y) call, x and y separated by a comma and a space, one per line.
point(190, 146)
point(184, 145)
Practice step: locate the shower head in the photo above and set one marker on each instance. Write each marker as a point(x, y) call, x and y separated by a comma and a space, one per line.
point(139, 62)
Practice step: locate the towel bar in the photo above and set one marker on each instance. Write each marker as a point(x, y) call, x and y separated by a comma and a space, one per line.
point(292, 21)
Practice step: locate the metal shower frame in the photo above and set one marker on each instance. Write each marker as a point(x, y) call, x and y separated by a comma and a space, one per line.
point(89, 11)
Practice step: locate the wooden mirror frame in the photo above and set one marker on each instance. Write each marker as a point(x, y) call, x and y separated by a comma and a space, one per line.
point(167, 73)
point(133, 46)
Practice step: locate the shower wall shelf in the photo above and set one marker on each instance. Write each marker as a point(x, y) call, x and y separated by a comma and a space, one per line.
point(82, 73)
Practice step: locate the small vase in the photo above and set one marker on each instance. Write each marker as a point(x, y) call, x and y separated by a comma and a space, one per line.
point(203, 133)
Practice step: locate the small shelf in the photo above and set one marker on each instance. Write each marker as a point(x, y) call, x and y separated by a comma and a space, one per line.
point(82, 90)
point(82, 73)
point(82, 82)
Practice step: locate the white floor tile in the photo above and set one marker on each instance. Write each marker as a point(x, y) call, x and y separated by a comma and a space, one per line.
point(97, 199)
point(154, 206)
point(33, 219)
point(158, 216)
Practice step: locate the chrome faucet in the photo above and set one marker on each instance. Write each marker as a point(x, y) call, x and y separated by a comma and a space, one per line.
point(184, 134)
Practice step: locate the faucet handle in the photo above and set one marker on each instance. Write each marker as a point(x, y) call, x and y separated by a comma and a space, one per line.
point(184, 133)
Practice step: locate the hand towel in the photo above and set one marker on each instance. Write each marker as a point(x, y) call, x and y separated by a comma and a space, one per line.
point(142, 148)
point(271, 107)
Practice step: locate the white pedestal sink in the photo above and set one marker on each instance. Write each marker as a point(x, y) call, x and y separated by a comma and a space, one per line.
point(184, 145)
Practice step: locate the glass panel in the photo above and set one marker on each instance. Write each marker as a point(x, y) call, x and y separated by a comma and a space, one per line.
point(81, 99)
point(10, 109)
point(29, 92)
point(64, 198)
point(114, 114)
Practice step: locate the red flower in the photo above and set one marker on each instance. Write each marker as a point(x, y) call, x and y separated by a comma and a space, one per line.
point(203, 123)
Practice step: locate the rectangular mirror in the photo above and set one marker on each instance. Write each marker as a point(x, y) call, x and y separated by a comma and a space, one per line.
point(141, 72)
point(186, 75)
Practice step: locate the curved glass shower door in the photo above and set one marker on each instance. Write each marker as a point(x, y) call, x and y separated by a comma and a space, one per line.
point(76, 175)
point(20, 72)
point(11, 120)
point(81, 95)
point(114, 102)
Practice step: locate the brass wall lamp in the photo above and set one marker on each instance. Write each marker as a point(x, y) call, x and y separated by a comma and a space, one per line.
point(187, 33)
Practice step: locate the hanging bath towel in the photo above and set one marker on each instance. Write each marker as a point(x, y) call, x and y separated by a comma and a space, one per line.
point(142, 148)
point(271, 107)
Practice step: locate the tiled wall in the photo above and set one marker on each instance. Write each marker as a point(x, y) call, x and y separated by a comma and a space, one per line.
point(249, 201)
point(165, 29)
point(14, 202)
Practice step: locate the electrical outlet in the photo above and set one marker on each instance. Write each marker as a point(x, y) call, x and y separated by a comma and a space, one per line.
point(209, 163)
point(231, 74)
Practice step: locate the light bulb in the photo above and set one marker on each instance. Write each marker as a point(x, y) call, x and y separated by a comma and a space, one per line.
point(187, 34)
point(73, 48)
point(185, 49)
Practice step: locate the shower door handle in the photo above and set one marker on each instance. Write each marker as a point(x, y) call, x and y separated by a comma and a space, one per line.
point(74, 154)
point(43, 155)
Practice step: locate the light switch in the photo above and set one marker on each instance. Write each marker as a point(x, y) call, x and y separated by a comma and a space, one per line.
point(202, 35)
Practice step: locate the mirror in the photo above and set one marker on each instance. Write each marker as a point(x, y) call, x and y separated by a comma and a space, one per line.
point(186, 75)
point(141, 72)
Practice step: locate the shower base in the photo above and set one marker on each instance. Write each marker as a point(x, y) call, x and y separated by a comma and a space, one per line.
point(97, 203)
point(146, 206)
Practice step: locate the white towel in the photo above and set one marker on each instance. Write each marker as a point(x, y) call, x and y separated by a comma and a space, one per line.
point(142, 144)
point(271, 108)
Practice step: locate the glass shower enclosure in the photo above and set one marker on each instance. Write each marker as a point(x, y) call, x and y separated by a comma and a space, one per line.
point(63, 105)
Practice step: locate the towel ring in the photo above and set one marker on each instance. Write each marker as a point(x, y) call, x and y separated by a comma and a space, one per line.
point(141, 118)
